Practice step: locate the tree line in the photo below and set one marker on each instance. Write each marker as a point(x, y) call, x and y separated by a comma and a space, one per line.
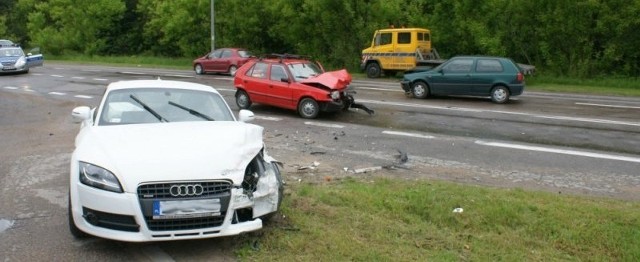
point(577, 38)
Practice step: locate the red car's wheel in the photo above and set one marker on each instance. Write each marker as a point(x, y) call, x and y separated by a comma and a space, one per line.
point(242, 99)
point(199, 69)
point(308, 108)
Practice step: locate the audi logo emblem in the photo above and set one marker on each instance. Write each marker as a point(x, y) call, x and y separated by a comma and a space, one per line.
point(186, 190)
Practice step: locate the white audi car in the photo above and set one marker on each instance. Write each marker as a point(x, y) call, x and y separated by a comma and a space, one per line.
point(165, 160)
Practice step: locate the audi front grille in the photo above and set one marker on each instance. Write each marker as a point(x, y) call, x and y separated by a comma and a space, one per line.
point(184, 191)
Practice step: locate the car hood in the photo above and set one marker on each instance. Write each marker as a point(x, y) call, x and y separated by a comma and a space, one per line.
point(171, 151)
point(333, 80)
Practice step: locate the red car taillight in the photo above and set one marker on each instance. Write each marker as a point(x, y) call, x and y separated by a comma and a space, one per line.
point(520, 77)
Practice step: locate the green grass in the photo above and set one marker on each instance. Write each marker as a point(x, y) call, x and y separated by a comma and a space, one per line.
point(385, 220)
point(133, 61)
point(617, 86)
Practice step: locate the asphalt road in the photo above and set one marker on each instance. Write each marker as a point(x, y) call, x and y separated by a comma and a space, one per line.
point(569, 144)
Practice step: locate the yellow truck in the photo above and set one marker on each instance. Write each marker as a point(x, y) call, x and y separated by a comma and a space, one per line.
point(394, 50)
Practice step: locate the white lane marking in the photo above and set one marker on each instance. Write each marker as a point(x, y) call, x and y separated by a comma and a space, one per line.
point(589, 120)
point(378, 89)
point(101, 79)
point(603, 105)
point(58, 76)
point(78, 77)
point(11, 87)
point(225, 89)
point(323, 125)
point(132, 73)
point(183, 76)
point(223, 78)
point(83, 96)
point(36, 74)
point(268, 118)
point(560, 151)
point(57, 93)
point(577, 119)
point(419, 105)
point(407, 134)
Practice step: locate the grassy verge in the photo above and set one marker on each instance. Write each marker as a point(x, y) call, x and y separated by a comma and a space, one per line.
point(133, 61)
point(385, 220)
point(601, 86)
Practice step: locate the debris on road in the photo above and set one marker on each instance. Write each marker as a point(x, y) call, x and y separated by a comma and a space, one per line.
point(311, 167)
point(367, 169)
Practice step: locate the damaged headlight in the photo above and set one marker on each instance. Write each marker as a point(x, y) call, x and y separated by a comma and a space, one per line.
point(335, 95)
point(252, 174)
point(99, 177)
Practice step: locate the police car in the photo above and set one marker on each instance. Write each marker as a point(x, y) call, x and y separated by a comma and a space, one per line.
point(14, 60)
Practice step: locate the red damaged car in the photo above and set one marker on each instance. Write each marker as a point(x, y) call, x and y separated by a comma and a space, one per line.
point(294, 82)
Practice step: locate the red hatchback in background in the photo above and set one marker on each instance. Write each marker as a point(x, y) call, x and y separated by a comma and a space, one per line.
point(294, 82)
point(224, 60)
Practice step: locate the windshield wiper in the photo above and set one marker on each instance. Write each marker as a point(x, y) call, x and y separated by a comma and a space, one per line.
point(191, 111)
point(146, 107)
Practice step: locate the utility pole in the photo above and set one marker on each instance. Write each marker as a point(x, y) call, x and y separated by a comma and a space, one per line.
point(213, 36)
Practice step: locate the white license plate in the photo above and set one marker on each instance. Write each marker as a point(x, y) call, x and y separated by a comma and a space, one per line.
point(9, 68)
point(186, 208)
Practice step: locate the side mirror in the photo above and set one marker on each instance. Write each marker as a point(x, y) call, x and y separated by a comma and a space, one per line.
point(80, 114)
point(284, 79)
point(246, 116)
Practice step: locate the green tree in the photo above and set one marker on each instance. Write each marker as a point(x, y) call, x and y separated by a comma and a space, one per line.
point(61, 26)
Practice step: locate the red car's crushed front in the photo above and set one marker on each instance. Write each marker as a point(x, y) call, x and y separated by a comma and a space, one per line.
point(294, 83)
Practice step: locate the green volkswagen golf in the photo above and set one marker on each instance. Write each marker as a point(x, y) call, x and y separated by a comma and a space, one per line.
point(496, 77)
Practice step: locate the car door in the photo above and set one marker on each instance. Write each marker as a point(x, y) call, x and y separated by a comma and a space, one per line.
point(256, 83)
point(222, 64)
point(34, 58)
point(209, 63)
point(453, 77)
point(279, 90)
point(487, 70)
point(384, 46)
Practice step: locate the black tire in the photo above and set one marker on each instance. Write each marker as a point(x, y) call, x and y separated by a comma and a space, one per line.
point(500, 94)
point(420, 89)
point(199, 69)
point(75, 231)
point(373, 70)
point(232, 70)
point(242, 99)
point(308, 108)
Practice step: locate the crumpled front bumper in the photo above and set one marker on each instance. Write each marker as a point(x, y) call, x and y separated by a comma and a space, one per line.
point(406, 86)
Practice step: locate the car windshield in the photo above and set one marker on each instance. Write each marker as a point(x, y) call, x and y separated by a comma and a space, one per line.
point(7, 52)
point(304, 70)
point(244, 53)
point(155, 105)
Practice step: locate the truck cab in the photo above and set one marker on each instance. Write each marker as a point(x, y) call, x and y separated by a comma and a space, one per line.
point(396, 49)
